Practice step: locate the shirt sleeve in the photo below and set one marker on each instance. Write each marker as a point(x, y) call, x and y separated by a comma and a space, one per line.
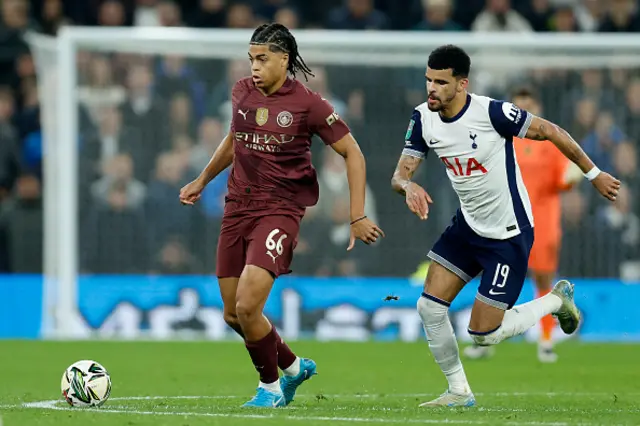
point(325, 122)
point(508, 119)
point(414, 143)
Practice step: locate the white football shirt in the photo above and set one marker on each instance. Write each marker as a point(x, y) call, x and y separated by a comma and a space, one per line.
point(476, 146)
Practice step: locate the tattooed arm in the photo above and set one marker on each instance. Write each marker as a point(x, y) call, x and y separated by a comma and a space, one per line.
point(541, 129)
point(416, 197)
point(405, 170)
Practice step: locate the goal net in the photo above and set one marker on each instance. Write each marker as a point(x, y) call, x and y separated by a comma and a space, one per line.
point(130, 115)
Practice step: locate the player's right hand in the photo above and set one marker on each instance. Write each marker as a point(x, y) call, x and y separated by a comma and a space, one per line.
point(366, 231)
point(418, 200)
point(607, 185)
point(191, 192)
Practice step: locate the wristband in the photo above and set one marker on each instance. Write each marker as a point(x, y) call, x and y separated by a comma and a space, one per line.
point(592, 174)
point(358, 220)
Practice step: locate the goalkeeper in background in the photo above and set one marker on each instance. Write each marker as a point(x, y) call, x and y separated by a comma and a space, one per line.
point(546, 173)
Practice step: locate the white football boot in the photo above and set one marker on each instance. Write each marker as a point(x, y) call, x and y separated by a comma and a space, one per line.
point(546, 354)
point(449, 399)
point(478, 352)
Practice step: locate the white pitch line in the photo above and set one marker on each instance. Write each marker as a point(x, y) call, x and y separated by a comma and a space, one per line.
point(55, 405)
point(52, 405)
point(391, 395)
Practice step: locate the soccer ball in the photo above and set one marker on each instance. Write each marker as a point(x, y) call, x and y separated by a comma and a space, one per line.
point(86, 384)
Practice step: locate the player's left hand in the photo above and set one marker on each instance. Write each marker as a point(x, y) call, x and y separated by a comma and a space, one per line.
point(607, 185)
point(365, 231)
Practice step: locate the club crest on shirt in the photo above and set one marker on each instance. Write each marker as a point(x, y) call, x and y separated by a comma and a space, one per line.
point(284, 119)
point(262, 116)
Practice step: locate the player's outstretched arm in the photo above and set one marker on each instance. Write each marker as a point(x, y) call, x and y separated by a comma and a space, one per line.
point(541, 129)
point(221, 159)
point(417, 198)
point(361, 227)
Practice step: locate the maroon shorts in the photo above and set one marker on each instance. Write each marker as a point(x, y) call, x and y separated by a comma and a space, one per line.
point(257, 232)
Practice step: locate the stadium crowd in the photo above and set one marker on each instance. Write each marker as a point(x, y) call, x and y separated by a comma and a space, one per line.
point(149, 124)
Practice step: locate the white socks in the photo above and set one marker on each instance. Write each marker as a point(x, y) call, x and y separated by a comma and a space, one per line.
point(520, 318)
point(271, 387)
point(443, 344)
point(294, 369)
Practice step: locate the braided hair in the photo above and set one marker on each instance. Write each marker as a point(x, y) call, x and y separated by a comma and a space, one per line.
point(279, 39)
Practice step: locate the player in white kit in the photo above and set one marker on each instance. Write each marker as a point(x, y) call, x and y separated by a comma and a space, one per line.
point(492, 232)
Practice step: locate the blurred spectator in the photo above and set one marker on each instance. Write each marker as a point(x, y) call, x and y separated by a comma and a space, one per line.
point(146, 14)
point(113, 237)
point(52, 17)
point(110, 140)
point(21, 227)
point(174, 259)
point(584, 123)
point(220, 102)
point(579, 233)
point(288, 17)
point(119, 170)
point(211, 14)
point(593, 84)
point(169, 14)
point(100, 90)
point(319, 83)
point(182, 145)
point(622, 17)
point(437, 16)
point(334, 205)
point(147, 113)
point(564, 20)
point(588, 14)
point(601, 143)
point(180, 116)
point(499, 16)
point(625, 161)
point(632, 109)
point(15, 15)
point(539, 13)
point(240, 15)
point(111, 14)
point(175, 75)
point(210, 134)
point(28, 124)
point(619, 219)
point(267, 9)
point(357, 15)
point(162, 197)
point(15, 21)
point(9, 163)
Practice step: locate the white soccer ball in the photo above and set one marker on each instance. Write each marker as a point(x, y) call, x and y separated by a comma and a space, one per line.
point(86, 384)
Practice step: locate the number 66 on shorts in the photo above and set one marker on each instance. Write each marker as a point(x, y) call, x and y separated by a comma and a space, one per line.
point(265, 241)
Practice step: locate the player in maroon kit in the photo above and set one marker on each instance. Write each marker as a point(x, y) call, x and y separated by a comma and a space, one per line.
point(271, 183)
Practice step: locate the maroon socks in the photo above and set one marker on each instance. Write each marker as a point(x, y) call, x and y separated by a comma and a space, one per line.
point(264, 354)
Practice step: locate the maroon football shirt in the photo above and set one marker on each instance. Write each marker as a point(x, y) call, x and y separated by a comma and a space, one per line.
point(272, 141)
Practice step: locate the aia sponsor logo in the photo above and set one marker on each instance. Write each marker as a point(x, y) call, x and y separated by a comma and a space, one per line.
point(463, 166)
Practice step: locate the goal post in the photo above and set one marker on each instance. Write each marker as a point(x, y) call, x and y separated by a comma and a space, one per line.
point(497, 59)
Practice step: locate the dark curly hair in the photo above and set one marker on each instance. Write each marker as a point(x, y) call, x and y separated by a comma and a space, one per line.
point(279, 39)
point(450, 56)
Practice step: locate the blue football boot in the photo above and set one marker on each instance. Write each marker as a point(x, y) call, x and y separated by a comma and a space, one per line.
point(289, 384)
point(266, 399)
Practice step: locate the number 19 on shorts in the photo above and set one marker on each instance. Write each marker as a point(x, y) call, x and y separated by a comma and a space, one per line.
point(499, 278)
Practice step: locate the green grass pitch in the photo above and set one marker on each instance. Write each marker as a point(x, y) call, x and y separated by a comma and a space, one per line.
point(204, 383)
